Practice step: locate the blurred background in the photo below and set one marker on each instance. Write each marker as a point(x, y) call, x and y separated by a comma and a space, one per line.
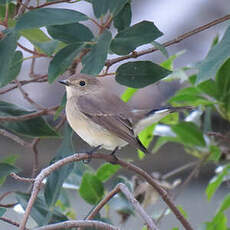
point(173, 18)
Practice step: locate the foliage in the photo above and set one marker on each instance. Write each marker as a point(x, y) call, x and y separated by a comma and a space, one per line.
point(66, 42)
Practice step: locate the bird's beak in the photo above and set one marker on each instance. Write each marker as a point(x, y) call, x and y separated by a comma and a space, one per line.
point(64, 82)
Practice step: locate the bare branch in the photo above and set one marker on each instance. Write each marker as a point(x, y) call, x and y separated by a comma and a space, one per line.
point(23, 179)
point(169, 43)
point(109, 158)
point(9, 221)
point(14, 138)
point(30, 115)
point(79, 223)
point(35, 159)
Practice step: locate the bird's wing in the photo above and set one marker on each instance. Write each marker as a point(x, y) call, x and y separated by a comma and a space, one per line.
point(108, 111)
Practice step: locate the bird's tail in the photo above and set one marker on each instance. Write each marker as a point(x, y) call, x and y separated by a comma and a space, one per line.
point(156, 115)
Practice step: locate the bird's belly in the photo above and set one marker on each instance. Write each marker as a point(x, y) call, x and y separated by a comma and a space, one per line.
point(94, 134)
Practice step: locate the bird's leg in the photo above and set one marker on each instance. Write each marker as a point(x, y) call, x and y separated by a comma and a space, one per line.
point(90, 153)
point(114, 156)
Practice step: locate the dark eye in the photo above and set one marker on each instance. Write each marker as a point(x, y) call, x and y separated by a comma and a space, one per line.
point(82, 83)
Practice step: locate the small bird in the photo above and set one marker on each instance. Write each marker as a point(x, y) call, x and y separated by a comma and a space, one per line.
point(102, 119)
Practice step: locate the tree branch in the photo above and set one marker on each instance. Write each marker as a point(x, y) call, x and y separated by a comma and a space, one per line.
point(30, 115)
point(123, 188)
point(9, 221)
point(169, 43)
point(14, 138)
point(109, 158)
point(79, 223)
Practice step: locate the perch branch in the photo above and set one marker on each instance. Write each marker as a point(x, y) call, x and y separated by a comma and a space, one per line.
point(169, 43)
point(123, 188)
point(23, 179)
point(79, 223)
point(9, 221)
point(109, 158)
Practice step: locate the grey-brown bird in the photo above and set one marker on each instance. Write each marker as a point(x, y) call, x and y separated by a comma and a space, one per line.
point(102, 119)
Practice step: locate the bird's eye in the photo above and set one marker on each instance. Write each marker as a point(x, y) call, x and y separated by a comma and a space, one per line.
point(82, 83)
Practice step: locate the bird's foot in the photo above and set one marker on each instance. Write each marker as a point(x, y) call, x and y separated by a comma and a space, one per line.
point(90, 153)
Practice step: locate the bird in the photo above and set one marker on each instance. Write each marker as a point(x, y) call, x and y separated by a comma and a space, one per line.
point(102, 119)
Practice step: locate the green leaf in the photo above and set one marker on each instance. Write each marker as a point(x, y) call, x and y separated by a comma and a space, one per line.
point(101, 7)
point(40, 210)
point(162, 49)
point(63, 59)
point(94, 60)
point(47, 17)
point(6, 170)
point(170, 119)
point(35, 34)
point(7, 54)
point(128, 93)
point(189, 133)
point(106, 171)
point(218, 222)
point(146, 137)
point(47, 48)
point(216, 182)
point(209, 87)
point(130, 38)
point(215, 58)
point(91, 189)
point(123, 18)
point(57, 178)
point(2, 211)
point(14, 69)
point(11, 10)
point(215, 153)
point(70, 33)
point(223, 87)
point(182, 211)
point(225, 204)
point(140, 74)
point(35, 127)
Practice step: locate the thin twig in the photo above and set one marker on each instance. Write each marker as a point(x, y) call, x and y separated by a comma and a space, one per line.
point(22, 179)
point(14, 138)
point(222, 136)
point(122, 188)
point(9, 221)
point(5, 195)
point(8, 205)
point(31, 51)
point(169, 43)
point(35, 158)
point(109, 158)
point(23, 7)
point(26, 96)
point(29, 115)
point(79, 223)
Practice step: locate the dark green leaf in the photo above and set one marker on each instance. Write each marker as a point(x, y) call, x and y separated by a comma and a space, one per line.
point(216, 182)
point(14, 69)
point(47, 17)
point(123, 18)
point(48, 47)
point(130, 38)
point(5, 170)
point(70, 33)
point(91, 189)
point(140, 74)
point(106, 171)
point(94, 60)
point(40, 210)
point(189, 133)
point(35, 127)
point(115, 6)
point(56, 179)
point(62, 60)
point(2, 211)
point(215, 58)
point(146, 137)
point(129, 92)
point(7, 54)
